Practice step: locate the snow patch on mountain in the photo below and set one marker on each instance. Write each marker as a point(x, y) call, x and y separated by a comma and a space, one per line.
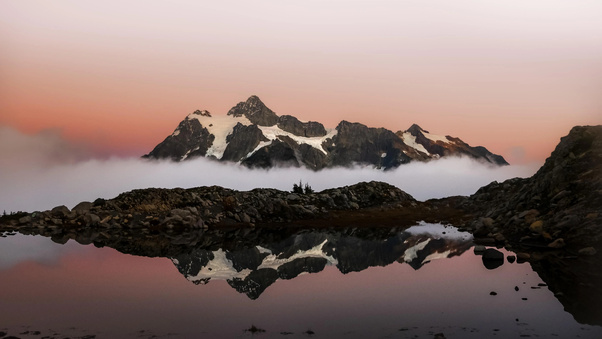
point(273, 132)
point(220, 127)
point(410, 140)
point(435, 137)
point(261, 145)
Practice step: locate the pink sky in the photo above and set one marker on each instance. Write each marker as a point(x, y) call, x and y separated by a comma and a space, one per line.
point(119, 76)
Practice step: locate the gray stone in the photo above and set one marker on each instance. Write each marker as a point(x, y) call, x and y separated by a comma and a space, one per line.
point(180, 213)
point(588, 251)
point(82, 207)
point(479, 249)
point(558, 243)
point(92, 219)
point(25, 220)
point(292, 197)
point(60, 211)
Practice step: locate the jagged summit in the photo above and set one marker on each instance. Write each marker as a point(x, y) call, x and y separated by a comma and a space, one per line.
point(256, 111)
point(255, 136)
point(202, 113)
point(415, 129)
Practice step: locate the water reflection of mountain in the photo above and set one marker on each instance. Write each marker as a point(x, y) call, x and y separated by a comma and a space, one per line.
point(250, 269)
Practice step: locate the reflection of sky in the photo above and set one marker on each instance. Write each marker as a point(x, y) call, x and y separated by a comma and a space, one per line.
point(108, 292)
point(19, 248)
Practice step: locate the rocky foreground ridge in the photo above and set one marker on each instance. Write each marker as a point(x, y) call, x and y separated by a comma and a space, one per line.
point(254, 136)
point(214, 206)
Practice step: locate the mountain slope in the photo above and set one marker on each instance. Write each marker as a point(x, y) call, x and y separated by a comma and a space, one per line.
point(253, 135)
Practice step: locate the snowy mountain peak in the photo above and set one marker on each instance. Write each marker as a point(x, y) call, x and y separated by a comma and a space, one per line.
point(253, 135)
point(256, 111)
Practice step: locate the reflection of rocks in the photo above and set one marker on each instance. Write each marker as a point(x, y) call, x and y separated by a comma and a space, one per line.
point(492, 258)
point(576, 282)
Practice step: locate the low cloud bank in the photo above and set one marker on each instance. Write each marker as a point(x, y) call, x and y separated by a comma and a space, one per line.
point(32, 180)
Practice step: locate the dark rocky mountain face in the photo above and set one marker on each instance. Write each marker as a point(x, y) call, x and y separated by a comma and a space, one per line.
point(255, 136)
point(256, 111)
point(190, 139)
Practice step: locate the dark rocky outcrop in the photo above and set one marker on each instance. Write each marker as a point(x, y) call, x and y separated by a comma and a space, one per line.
point(553, 220)
point(303, 129)
point(277, 153)
point(242, 141)
point(191, 140)
point(562, 200)
point(358, 144)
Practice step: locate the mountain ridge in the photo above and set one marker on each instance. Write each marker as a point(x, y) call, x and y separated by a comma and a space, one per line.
point(255, 136)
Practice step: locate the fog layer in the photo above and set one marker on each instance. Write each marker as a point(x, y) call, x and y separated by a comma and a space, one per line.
point(35, 178)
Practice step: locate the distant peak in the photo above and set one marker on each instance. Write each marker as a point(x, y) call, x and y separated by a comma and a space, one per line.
point(415, 128)
point(256, 111)
point(202, 113)
point(254, 98)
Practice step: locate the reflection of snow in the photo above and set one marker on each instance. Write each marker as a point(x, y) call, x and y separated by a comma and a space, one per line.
point(273, 262)
point(20, 248)
point(439, 231)
point(412, 252)
point(219, 268)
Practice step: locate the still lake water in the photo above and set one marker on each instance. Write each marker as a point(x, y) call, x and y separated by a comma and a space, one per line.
point(356, 283)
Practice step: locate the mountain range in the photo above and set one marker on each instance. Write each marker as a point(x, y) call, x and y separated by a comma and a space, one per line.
point(253, 135)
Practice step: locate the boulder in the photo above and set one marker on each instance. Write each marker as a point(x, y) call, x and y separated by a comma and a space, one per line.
point(479, 249)
point(25, 220)
point(92, 219)
point(558, 243)
point(60, 211)
point(588, 251)
point(83, 207)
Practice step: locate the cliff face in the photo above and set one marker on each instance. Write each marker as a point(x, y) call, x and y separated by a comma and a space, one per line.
point(561, 201)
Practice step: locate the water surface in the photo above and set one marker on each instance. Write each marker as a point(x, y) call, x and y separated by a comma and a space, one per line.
point(353, 283)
